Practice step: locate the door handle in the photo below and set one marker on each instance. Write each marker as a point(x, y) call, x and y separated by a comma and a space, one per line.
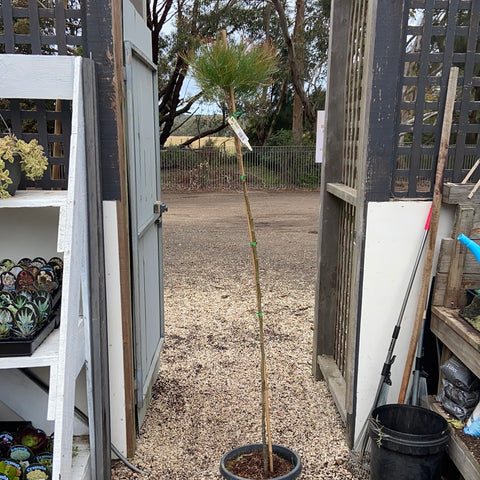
point(158, 209)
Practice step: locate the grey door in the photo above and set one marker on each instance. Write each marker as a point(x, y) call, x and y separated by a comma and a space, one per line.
point(145, 218)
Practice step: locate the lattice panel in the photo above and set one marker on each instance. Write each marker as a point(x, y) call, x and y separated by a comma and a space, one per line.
point(353, 90)
point(41, 27)
point(353, 97)
point(49, 122)
point(346, 238)
point(439, 34)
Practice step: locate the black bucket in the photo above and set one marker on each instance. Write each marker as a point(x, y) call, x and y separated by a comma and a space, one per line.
point(407, 443)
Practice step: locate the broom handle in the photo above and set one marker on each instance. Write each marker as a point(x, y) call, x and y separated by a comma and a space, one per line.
point(420, 313)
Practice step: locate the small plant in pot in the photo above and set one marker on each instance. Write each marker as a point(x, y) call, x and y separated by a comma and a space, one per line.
point(223, 71)
point(18, 156)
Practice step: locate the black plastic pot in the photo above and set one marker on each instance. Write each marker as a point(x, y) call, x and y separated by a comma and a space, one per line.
point(282, 452)
point(408, 443)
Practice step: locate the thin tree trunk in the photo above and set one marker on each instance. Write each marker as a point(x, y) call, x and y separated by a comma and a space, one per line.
point(261, 133)
point(299, 43)
point(277, 110)
point(292, 62)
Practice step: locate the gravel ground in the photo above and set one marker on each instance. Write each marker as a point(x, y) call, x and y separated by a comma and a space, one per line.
point(206, 399)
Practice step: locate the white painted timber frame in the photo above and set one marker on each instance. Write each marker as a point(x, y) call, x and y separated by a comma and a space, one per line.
point(66, 350)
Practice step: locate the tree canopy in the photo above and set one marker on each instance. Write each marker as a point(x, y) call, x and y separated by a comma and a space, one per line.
point(182, 26)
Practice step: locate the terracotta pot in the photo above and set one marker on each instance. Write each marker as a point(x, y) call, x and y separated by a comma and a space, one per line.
point(282, 452)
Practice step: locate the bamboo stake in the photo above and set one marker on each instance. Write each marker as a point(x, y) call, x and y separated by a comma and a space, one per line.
point(436, 205)
point(266, 430)
point(470, 172)
point(474, 189)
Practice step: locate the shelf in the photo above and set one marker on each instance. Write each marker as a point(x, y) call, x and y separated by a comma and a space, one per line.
point(81, 458)
point(457, 450)
point(458, 336)
point(35, 199)
point(44, 356)
point(464, 342)
point(64, 232)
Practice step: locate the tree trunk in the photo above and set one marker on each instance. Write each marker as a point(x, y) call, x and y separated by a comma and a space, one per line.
point(261, 129)
point(293, 64)
point(299, 45)
point(283, 92)
point(156, 18)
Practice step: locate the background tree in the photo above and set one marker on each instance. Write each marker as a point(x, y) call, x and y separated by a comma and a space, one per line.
point(299, 45)
point(316, 37)
point(179, 25)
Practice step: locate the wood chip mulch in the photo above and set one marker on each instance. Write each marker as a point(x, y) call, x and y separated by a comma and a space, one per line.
point(251, 465)
point(206, 400)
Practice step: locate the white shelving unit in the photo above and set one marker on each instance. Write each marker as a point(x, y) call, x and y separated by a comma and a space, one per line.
point(36, 199)
point(64, 217)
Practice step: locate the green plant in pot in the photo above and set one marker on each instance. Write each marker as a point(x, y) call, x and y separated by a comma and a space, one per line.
point(18, 156)
point(6, 320)
point(12, 470)
point(226, 73)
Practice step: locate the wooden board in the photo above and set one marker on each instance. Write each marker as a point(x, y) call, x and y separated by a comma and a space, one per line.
point(470, 267)
point(335, 382)
point(469, 281)
point(55, 70)
point(458, 336)
point(454, 291)
point(455, 193)
point(457, 268)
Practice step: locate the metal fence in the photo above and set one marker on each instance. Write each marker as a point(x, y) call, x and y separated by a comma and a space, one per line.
point(216, 168)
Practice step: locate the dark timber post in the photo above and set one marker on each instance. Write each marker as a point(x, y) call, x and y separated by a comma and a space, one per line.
point(100, 451)
point(104, 44)
point(324, 335)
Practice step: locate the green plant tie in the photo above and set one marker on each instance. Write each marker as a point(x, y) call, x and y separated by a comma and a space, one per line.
point(243, 177)
point(237, 114)
point(259, 314)
point(253, 244)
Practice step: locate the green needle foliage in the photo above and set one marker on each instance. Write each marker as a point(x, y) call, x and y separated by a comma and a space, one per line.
point(218, 67)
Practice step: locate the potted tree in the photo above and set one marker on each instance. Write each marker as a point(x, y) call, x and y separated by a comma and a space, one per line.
point(17, 156)
point(223, 71)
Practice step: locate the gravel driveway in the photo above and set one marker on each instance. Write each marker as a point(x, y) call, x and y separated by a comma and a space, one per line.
point(206, 399)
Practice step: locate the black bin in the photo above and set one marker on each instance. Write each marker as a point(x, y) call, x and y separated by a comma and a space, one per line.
point(407, 443)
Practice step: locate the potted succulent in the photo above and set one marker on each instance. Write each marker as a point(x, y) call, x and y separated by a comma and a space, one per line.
point(18, 156)
point(223, 71)
point(37, 471)
point(33, 438)
point(10, 469)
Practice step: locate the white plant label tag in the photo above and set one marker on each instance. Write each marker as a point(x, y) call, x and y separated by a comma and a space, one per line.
point(239, 132)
